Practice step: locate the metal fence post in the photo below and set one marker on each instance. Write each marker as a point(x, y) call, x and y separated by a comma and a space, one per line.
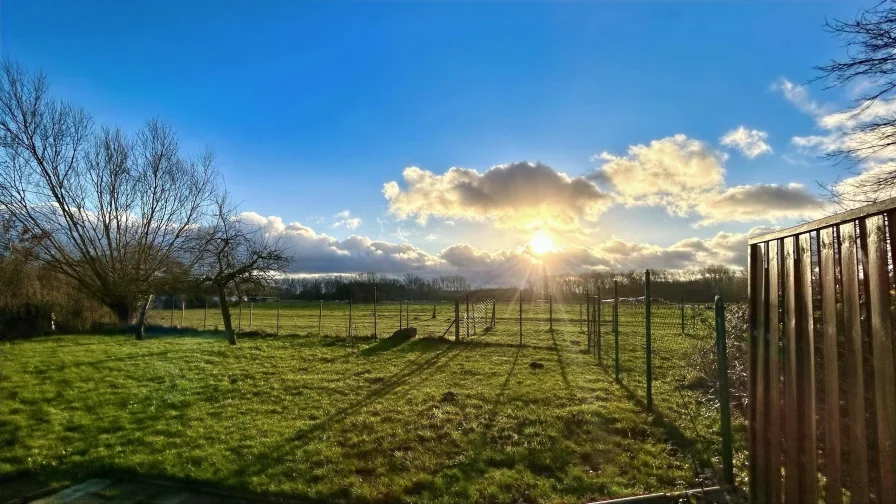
point(278, 316)
point(349, 317)
point(648, 348)
point(467, 316)
point(616, 323)
point(580, 316)
point(597, 342)
point(551, 312)
point(400, 313)
point(456, 319)
point(494, 310)
point(320, 315)
point(251, 307)
point(374, 313)
point(239, 317)
point(183, 309)
point(205, 315)
point(521, 317)
point(588, 318)
point(172, 310)
point(724, 400)
point(682, 314)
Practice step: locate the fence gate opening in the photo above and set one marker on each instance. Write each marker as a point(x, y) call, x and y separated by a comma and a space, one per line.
point(822, 416)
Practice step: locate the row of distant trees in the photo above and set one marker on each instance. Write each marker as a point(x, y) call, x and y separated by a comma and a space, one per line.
point(693, 285)
point(117, 217)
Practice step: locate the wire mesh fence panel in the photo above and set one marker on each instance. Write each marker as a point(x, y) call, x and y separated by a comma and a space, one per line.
point(632, 347)
point(677, 383)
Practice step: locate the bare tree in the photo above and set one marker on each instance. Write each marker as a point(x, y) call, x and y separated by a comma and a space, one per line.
point(112, 211)
point(237, 255)
point(869, 127)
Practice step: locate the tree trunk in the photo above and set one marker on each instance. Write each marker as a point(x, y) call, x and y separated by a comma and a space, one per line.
point(225, 314)
point(122, 313)
point(141, 320)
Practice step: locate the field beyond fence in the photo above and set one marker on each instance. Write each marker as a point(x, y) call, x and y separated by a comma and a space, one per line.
point(683, 381)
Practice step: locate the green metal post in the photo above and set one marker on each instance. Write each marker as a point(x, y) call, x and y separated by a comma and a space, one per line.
point(597, 341)
point(682, 315)
point(550, 312)
point(456, 320)
point(588, 318)
point(616, 323)
point(648, 348)
point(521, 317)
point(724, 400)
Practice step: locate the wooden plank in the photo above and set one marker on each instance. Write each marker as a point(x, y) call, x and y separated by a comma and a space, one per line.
point(863, 211)
point(774, 373)
point(882, 350)
point(806, 371)
point(855, 383)
point(827, 277)
point(751, 367)
point(791, 421)
point(761, 439)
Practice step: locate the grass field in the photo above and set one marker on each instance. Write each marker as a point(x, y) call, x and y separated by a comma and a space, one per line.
point(332, 419)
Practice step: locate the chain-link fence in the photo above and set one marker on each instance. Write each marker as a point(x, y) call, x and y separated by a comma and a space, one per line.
point(324, 318)
point(665, 354)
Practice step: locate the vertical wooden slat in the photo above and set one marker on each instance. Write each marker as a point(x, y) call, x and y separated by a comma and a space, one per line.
point(761, 439)
point(806, 372)
point(774, 374)
point(882, 350)
point(855, 383)
point(827, 277)
point(751, 365)
point(791, 425)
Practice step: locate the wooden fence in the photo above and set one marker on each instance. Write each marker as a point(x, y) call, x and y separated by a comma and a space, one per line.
point(822, 416)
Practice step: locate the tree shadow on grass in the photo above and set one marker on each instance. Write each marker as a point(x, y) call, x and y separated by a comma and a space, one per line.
point(414, 369)
point(671, 432)
point(561, 363)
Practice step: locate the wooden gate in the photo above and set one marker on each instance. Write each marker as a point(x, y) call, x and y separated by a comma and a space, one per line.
point(822, 416)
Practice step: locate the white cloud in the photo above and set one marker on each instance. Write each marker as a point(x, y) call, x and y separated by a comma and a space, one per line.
point(431, 237)
point(688, 177)
point(760, 202)
point(518, 195)
point(798, 95)
point(671, 172)
point(750, 143)
point(345, 220)
point(317, 253)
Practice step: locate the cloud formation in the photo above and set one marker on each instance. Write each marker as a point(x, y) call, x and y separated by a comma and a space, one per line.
point(798, 95)
point(318, 253)
point(855, 130)
point(517, 195)
point(669, 172)
point(760, 202)
point(346, 221)
point(688, 177)
point(751, 143)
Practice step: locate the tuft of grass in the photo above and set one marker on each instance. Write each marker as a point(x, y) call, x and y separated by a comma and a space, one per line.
point(327, 419)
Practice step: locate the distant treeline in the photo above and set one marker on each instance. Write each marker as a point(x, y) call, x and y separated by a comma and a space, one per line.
point(697, 285)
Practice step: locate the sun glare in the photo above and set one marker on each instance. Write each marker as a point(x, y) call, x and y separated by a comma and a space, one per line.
point(541, 243)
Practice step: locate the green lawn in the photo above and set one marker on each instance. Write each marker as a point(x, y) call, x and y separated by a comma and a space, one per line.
point(426, 420)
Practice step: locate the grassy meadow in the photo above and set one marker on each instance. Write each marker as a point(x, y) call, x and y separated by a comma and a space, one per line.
point(327, 418)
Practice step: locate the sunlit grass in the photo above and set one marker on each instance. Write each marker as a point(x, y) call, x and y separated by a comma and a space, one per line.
point(420, 421)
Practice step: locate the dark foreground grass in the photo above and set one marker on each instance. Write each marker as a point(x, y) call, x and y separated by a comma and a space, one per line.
point(425, 420)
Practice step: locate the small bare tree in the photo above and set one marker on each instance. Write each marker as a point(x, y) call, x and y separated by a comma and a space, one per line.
point(112, 211)
point(237, 255)
point(869, 128)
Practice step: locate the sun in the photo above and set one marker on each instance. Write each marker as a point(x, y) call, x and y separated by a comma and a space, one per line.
point(541, 243)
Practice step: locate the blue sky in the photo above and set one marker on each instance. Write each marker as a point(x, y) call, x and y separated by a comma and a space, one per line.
point(311, 107)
